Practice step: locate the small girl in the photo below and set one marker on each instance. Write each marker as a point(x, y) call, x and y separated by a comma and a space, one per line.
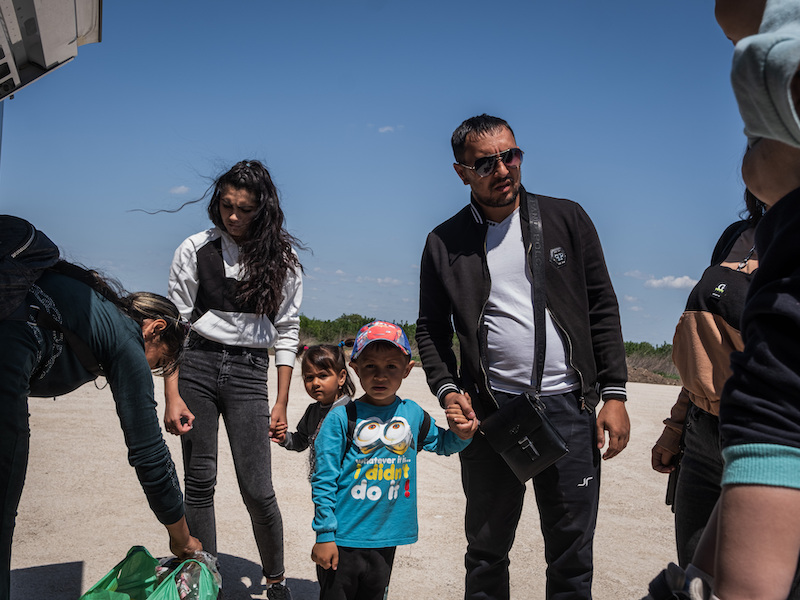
point(327, 380)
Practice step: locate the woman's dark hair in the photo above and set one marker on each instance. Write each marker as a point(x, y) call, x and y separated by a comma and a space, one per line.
point(266, 253)
point(754, 208)
point(139, 306)
point(330, 357)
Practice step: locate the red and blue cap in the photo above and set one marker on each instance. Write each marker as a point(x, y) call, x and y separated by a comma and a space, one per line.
point(380, 331)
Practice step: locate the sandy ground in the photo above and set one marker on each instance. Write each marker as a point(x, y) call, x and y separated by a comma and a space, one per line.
point(82, 509)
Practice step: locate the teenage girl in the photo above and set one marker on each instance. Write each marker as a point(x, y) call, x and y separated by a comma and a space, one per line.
point(327, 381)
point(240, 285)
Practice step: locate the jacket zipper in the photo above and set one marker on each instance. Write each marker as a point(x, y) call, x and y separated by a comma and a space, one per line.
point(565, 335)
point(483, 348)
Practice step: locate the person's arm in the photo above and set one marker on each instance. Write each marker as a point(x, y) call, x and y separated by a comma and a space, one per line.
point(762, 524)
point(181, 543)
point(607, 344)
point(178, 419)
point(434, 339)
point(131, 384)
point(434, 335)
point(446, 441)
point(668, 445)
point(278, 414)
point(329, 447)
point(300, 439)
point(287, 324)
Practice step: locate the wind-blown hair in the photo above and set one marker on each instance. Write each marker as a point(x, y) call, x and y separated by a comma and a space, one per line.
point(330, 357)
point(266, 251)
point(479, 126)
point(139, 306)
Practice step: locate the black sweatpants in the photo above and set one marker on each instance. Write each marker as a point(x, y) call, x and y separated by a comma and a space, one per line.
point(362, 574)
point(566, 494)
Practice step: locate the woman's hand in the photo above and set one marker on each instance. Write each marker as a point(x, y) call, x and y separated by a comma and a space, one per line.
point(181, 543)
point(279, 434)
point(178, 419)
point(661, 459)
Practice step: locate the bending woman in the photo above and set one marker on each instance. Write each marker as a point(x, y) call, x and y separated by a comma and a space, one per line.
point(240, 284)
point(129, 335)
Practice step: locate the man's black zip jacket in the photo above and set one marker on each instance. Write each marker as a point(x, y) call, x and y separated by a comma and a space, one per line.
point(454, 283)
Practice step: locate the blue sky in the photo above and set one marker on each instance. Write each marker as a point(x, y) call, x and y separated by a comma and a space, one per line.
point(624, 107)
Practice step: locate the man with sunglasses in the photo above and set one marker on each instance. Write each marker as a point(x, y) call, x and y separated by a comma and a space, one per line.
point(476, 275)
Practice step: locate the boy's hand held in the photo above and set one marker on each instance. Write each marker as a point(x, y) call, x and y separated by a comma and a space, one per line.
point(326, 555)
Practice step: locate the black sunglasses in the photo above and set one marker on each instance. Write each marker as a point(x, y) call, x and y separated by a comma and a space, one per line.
point(486, 164)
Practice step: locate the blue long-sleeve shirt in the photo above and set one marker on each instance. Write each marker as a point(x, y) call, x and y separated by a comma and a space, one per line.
point(365, 496)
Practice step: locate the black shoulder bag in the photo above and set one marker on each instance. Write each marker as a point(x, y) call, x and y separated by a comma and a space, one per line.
point(520, 430)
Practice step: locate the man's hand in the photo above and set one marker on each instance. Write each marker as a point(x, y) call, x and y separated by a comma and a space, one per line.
point(661, 459)
point(455, 416)
point(613, 417)
point(326, 555)
point(464, 426)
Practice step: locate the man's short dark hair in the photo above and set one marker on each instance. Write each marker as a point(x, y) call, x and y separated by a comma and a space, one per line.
point(480, 125)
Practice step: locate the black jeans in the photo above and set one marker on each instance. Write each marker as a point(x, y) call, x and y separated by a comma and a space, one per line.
point(566, 495)
point(20, 353)
point(698, 481)
point(362, 574)
point(214, 383)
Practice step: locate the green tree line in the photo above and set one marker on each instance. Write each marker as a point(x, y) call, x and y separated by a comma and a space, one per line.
point(346, 326)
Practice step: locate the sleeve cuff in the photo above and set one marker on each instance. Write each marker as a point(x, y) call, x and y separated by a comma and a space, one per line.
point(326, 536)
point(614, 392)
point(446, 389)
point(285, 358)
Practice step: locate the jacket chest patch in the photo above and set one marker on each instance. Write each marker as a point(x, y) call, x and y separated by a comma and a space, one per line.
point(558, 257)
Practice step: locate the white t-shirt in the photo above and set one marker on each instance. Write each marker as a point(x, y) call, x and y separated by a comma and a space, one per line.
point(509, 317)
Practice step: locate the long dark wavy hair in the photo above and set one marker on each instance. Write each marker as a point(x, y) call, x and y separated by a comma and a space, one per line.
point(266, 252)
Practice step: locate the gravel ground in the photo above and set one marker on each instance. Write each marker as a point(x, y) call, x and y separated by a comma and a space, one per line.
point(82, 509)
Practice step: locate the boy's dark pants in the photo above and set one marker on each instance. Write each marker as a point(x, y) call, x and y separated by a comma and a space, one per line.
point(566, 494)
point(362, 574)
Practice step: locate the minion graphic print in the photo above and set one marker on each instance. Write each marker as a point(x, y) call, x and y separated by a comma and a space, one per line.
point(365, 492)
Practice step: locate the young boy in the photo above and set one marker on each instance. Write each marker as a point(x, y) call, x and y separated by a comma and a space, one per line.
point(364, 487)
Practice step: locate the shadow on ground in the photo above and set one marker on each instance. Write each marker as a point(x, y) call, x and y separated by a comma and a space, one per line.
point(242, 579)
point(61, 581)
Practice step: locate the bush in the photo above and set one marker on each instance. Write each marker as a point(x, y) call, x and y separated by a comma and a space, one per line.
point(316, 331)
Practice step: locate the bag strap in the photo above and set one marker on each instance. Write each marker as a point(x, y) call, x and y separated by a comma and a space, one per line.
point(536, 256)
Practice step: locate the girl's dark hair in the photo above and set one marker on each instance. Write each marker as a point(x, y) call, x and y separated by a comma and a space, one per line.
point(139, 306)
point(754, 208)
point(266, 254)
point(330, 357)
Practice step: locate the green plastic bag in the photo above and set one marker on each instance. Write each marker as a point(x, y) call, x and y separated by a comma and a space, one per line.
point(134, 578)
point(205, 587)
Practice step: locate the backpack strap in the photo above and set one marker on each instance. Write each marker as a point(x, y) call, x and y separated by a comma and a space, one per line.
point(350, 407)
point(424, 428)
point(79, 347)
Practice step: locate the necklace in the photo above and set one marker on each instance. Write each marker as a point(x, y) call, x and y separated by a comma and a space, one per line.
point(746, 258)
